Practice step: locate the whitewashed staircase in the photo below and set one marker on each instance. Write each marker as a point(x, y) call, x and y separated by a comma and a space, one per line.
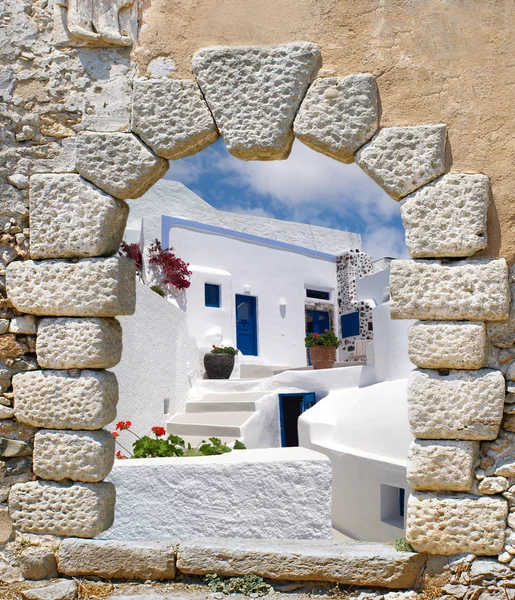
point(222, 415)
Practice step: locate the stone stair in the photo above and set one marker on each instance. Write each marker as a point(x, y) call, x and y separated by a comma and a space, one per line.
point(221, 415)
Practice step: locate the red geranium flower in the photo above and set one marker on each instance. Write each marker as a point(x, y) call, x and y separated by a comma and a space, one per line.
point(316, 335)
point(121, 425)
point(120, 456)
point(115, 434)
point(158, 431)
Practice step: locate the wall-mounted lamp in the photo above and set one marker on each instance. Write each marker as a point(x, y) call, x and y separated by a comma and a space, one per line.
point(246, 289)
point(282, 307)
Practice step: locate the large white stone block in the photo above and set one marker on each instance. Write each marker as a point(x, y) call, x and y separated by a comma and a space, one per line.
point(313, 560)
point(448, 344)
point(57, 400)
point(446, 465)
point(118, 163)
point(77, 455)
point(90, 287)
point(254, 93)
point(465, 290)
point(456, 523)
point(338, 115)
point(78, 343)
point(402, 159)
point(267, 493)
point(117, 559)
point(502, 334)
point(80, 510)
point(447, 217)
point(172, 117)
point(463, 405)
point(70, 217)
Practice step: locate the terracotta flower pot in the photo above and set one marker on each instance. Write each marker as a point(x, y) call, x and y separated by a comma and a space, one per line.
point(322, 357)
point(218, 366)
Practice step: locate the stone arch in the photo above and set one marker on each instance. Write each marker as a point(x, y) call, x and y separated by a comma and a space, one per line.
point(258, 99)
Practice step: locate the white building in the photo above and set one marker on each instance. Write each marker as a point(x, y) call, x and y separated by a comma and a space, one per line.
point(257, 284)
point(242, 265)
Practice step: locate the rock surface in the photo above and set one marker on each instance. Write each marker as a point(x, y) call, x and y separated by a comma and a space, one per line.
point(456, 523)
point(79, 510)
point(172, 117)
point(118, 163)
point(79, 343)
point(254, 93)
point(77, 455)
point(402, 159)
point(38, 562)
point(448, 345)
point(57, 400)
point(91, 287)
point(365, 565)
point(447, 217)
point(70, 217)
point(466, 290)
point(338, 115)
point(117, 559)
point(62, 590)
point(463, 405)
point(446, 465)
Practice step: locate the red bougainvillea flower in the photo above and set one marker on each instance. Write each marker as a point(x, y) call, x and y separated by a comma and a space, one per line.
point(115, 434)
point(158, 431)
point(120, 456)
point(121, 425)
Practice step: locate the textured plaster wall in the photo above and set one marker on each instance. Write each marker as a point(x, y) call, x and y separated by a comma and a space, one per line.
point(436, 61)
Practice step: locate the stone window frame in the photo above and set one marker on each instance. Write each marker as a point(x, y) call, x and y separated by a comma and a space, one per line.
point(405, 161)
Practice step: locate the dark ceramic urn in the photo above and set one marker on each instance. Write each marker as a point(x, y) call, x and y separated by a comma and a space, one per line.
point(218, 366)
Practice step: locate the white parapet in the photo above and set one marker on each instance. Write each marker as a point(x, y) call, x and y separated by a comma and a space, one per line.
point(282, 493)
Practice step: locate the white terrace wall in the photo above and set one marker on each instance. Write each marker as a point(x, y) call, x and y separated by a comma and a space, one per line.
point(257, 99)
point(159, 364)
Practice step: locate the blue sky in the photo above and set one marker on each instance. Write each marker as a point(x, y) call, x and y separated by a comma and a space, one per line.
point(307, 187)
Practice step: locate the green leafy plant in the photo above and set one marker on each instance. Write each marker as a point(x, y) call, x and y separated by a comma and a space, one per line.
point(322, 339)
point(173, 445)
point(224, 350)
point(248, 585)
point(158, 290)
point(401, 545)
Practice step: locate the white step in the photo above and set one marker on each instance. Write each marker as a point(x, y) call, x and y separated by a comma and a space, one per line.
point(220, 406)
point(216, 424)
point(232, 396)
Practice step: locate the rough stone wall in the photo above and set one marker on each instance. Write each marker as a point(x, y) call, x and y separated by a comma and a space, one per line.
point(351, 266)
point(435, 62)
point(47, 95)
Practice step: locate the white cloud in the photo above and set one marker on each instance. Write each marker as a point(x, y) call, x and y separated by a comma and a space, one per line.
point(310, 181)
point(385, 241)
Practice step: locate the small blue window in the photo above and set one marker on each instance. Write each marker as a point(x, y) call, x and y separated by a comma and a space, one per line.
point(350, 324)
point(318, 294)
point(212, 295)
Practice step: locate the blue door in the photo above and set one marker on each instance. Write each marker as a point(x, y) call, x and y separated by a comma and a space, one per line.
point(291, 406)
point(246, 325)
point(317, 321)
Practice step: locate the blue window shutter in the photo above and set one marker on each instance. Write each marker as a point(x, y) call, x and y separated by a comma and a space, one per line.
point(349, 324)
point(212, 295)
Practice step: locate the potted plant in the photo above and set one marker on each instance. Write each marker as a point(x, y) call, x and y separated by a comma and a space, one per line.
point(219, 362)
point(322, 349)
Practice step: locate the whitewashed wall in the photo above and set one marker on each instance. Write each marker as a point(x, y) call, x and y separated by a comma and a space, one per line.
point(270, 273)
point(275, 493)
point(159, 363)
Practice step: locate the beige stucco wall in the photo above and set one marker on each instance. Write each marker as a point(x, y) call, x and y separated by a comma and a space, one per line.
point(450, 61)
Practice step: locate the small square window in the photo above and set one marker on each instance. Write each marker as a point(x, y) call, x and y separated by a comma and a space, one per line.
point(318, 294)
point(212, 295)
point(393, 503)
